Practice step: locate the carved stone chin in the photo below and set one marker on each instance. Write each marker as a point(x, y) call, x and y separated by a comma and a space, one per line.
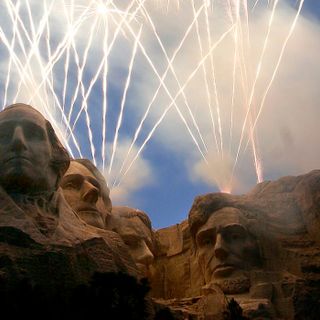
point(233, 285)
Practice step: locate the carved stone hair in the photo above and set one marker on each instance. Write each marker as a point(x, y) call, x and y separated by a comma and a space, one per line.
point(60, 158)
point(126, 212)
point(206, 205)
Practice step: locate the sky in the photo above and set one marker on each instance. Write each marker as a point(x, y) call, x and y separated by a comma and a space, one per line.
point(231, 91)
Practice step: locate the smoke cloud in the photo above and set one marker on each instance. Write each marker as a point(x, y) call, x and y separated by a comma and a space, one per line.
point(210, 97)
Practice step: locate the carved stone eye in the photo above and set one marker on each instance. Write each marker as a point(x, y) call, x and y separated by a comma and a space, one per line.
point(205, 241)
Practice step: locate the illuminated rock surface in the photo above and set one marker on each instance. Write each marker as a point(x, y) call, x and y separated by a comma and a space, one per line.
point(249, 256)
point(281, 217)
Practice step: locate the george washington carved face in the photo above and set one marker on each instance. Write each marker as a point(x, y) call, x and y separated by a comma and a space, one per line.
point(31, 157)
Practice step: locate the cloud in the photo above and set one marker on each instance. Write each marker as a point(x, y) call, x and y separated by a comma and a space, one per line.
point(141, 174)
point(286, 133)
point(287, 130)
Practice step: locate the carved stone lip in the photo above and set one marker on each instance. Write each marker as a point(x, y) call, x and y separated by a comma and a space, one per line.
point(87, 209)
point(224, 268)
point(16, 158)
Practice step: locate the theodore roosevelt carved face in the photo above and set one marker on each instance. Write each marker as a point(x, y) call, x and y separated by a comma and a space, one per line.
point(134, 227)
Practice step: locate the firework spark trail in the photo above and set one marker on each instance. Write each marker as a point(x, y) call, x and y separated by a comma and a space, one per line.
point(93, 81)
point(123, 101)
point(255, 4)
point(19, 67)
point(48, 47)
point(81, 86)
point(155, 95)
point(256, 157)
point(88, 92)
point(105, 74)
point(62, 46)
point(244, 83)
point(14, 57)
point(257, 163)
point(254, 84)
point(252, 135)
point(82, 89)
point(278, 64)
point(34, 44)
point(263, 52)
point(215, 89)
point(67, 60)
point(48, 37)
point(157, 74)
point(14, 13)
point(172, 103)
point(205, 77)
point(213, 75)
point(170, 66)
point(105, 96)
point(13, 41)
point(35, 47)
point(16, 61)
point(106, 52)
point(104, 59)
point(236, 40)
point(81, 67)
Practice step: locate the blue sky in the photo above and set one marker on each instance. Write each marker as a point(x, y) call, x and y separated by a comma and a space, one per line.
point(177, 163)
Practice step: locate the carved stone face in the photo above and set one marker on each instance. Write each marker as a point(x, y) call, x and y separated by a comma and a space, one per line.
point(82, 191)
point(225, 248)
point(138, 237)
point(25, 151)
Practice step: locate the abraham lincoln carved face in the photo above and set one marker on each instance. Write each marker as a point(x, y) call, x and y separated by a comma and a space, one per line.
point(32, 159)
point(225, 248)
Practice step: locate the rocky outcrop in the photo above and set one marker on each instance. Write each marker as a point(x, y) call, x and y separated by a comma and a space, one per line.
point(287, 286)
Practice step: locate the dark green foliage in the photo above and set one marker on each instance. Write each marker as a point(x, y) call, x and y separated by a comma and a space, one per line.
point(233, 311)
point(108, 296)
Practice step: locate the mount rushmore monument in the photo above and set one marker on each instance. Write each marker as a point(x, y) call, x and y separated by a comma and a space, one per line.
point(64, 245)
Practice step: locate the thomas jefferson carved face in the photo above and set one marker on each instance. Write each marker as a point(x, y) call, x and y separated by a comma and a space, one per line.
point(225, 248)
point(82, 191)
point(136, 235)
point(25, 151)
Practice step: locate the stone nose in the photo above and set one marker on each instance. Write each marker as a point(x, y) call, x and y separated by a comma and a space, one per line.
point(220, 248)
point(18, 142)
point(89, 193)
point(146, 256)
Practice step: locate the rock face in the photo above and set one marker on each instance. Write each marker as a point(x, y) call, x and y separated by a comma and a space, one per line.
point(41, 238)
point(134, 227)
point(271, 270)
point(253, 256)
point(86, 191)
